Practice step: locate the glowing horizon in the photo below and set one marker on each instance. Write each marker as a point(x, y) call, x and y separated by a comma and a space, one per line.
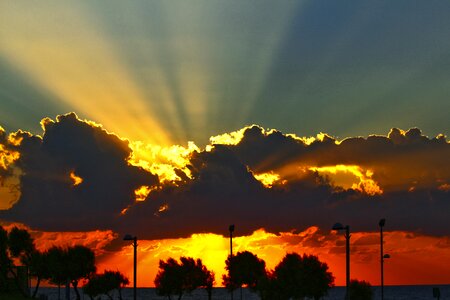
point(213, 249)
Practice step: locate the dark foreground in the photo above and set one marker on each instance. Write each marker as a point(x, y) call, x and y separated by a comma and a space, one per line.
point(417, 292)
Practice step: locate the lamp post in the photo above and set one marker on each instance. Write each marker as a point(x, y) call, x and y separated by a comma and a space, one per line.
point(338, 227)
point(129, 237)
point(231, 229)
point(382, 256)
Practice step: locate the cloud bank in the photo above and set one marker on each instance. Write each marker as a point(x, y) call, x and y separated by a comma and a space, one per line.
point(78, 177)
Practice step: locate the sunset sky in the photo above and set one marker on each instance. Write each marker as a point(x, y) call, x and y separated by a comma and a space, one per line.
point(171, 120)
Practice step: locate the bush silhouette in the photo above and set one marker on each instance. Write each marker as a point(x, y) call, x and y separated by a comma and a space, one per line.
point(360, 290)
point(176, 278)
point(104, 284)
point(244, 269)
point(70, 265)
point(15, 245)
point(301, 276)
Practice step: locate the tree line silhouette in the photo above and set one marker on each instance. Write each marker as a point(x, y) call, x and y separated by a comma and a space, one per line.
point(57, 265)
point(295, 277)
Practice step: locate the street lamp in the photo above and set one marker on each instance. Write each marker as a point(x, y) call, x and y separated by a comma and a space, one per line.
point(129, 237)
point(382, 256)
point(338, 227)
point(231, 229)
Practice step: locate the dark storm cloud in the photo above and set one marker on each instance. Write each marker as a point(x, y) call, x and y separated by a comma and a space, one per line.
point(400, 160)
point(50, 201)
point(411, 169)
point(408, 166)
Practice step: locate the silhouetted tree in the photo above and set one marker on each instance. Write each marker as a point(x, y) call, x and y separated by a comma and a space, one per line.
point(176, 278)
point(298, 277)
point(169, 279)
point(114, 280)
point(80, 264)
point(5, 261)
point(319, 280)
point(360, 290)
point(268, 288)
point(70, 265)
point(57, 269)
point(289, 277)
point(38, 268)
point(244, 269)
point(15, 245)
point(209, 282)
point(21, 244)
point(92, 288)
point(196, 275)
point(105, 283)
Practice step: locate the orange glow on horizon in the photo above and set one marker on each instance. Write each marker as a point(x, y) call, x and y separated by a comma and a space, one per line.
point(444, 187)
point(407, 265)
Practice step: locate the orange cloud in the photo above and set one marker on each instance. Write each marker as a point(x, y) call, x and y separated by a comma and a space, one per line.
point(96, 240)
point(75, 179)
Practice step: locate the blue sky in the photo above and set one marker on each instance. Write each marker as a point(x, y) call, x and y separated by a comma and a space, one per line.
point(172, 71)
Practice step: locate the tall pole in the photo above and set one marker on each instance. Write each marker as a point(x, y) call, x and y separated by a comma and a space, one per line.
point(231, 243)
point(381, 223)
point(347, 262)
point(134, 267)
point(231, 229)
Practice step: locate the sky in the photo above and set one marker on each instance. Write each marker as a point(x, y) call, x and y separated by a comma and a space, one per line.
point(171, 120)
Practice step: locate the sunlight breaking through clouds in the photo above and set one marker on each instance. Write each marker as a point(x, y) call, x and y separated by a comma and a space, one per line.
point(76, 180)
point(161, 78)
point(84, 71)
point(141, 193)
point(344, 176)
point(169, 163)
point(269, 179)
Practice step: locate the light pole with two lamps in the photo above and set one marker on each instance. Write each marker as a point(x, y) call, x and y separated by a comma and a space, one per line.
point(338, 227)
point(382, 256)
point(129, 237)
point(231, 229)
